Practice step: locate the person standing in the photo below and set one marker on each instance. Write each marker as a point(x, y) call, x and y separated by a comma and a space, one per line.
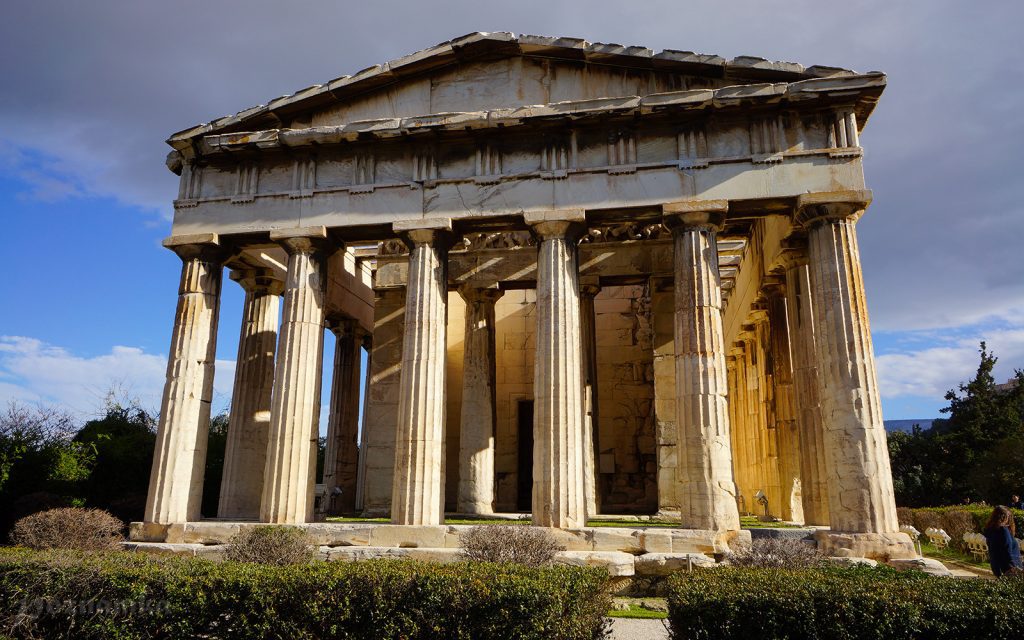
point(1003, 548)
point(1016, 503)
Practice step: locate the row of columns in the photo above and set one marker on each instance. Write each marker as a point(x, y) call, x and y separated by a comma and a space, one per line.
point(830, 374)
point(270, 454)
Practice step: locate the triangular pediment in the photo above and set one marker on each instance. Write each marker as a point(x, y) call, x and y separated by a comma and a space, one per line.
point(486, 71)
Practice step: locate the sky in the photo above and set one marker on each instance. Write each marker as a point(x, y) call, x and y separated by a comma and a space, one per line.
point(89, 91)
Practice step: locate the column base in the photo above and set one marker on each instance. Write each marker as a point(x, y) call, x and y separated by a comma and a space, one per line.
point(877, 546)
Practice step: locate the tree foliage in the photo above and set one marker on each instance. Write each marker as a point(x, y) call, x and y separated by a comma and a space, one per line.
point(974, 455)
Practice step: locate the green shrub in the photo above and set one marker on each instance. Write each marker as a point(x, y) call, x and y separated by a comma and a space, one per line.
point(129, 596)
point(68, 528)
point(841, 603)
point(270, 545)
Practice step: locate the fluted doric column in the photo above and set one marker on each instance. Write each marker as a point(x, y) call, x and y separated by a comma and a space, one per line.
point(861, 497)
point(418, 493)
point(476, 425)
point(799, 307)
point(245, 453)
point(707, 490)
point(341, 454)
point(786, 425)
point(289, 477)
point(591, 432)
point(558, 420)
point(179, 459)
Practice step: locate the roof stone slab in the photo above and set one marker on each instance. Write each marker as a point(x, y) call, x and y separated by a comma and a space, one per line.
point(863, 89)
point(476, 46)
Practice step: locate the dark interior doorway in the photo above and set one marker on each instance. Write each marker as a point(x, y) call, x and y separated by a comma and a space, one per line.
point(524, 470)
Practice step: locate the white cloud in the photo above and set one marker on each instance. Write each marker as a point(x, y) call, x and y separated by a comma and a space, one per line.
point(929, 373)
point(34, 371)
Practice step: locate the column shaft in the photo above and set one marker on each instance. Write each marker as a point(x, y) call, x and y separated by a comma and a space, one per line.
point(591, 434)
point(179, 460)
point(558, 465)
point(295, 410)
point(245, 453)
point(861, 498)
point(805, 389)
point(417, 493)
point(341, 456)
point(708, 493)
point(477, 419)
point(786, 425)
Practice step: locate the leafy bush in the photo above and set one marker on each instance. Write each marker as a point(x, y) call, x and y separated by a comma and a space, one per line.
point(843, 603)
point(129, 596)
point(68, 528)
point(270, 545)
point(530, 546)
point(778, 553)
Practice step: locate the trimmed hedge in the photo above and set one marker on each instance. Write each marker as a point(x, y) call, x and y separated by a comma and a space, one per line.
point(841, 603)
point(127, 596)
point(956, 520)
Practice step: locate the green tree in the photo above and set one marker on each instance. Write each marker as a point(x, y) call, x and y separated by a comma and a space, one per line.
point(123, 439)
point(974, 454)
point(40, 464)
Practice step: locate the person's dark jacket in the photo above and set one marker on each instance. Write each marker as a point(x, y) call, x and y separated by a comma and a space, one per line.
point(1003, 550)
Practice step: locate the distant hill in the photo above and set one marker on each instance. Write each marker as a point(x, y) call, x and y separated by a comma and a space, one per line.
point(906, 425)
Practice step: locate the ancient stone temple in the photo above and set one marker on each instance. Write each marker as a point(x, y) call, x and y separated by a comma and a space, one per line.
point(590, 280)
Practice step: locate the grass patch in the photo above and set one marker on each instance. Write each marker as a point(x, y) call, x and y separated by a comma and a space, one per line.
point(950, 554)
point(636, 611)
point(751, 522)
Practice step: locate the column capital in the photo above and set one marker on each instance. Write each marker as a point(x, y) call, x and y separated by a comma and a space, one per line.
point(569, 224)
point(590, 286)
point(197, 246)
point(258, 280)
point(433, 232)
point(822, 206)
point(689, 215)
point(471, 293)
point(794, 252)
point(303, 240)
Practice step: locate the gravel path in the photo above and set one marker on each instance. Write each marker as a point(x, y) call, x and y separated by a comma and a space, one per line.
point(639, 629)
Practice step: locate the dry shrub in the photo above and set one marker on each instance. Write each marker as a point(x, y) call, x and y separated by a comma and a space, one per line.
point(530, 546)
point(956, 524)
point(924, 520)
point(68, 528)
point(778, 553)
point(905, 515)
point(270, 545)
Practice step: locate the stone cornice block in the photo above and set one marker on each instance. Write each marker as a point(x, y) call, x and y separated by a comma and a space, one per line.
point(692, 99)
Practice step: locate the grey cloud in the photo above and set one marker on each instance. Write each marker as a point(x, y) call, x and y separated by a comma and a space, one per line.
point(99, 85)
